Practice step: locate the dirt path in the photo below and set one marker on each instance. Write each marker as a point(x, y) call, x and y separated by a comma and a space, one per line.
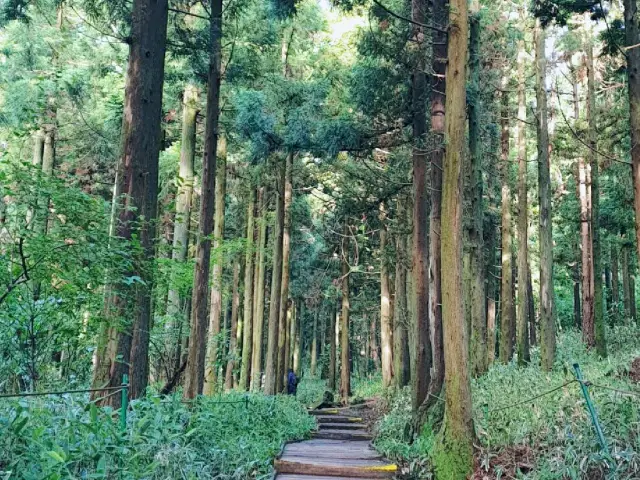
point(340, 449)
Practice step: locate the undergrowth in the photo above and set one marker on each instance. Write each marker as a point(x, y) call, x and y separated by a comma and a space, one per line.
point(165, 438)
point(556, 429)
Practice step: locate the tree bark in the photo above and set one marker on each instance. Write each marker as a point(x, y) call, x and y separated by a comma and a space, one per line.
point(547, 300)
point(175, 302)
point(522, 327)
point(331, 382)
point(615, 282)
point(247, 311)
point(271, 368)
point(297, 351)
point(454, 458)
point(214, 344)
point(598, 301)
point(286, 253)
point(139, 164)
point(401, 366)
point(375, 353)
point(477, 293)
point(422, 360)
point(588, 326)
point(533, 337)
point(626, 281)
point(233, 338)
point(386, 341)
point(632, 38)
point(437, 100)
point(507, 310)
point(194, 376)
point(314, 343)
point(259, 294)
point(345, 370)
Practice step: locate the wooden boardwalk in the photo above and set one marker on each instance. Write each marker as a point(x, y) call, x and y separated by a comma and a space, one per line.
point(340, 449)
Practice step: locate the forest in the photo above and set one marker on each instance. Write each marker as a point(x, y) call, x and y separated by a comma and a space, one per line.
point(424, 211)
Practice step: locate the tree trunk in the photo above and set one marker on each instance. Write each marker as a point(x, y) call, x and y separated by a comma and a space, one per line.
point(271, 368)
point(331, 383)
point(632, 38)
point(176, 304)
point(507, 318)
point(492, 260)
point(522, 327)
point(533, 337)
point(194, 377)
point(577, 306)
point(386, 341)
point(287, 345)
point(437, 99)
point(233, 339)
point(598, 301)
point(286, 253)
point(314, 343)
point(259, 294)
point(422, 360)
point(401, 366)
point(454, 458)
point(247, 311)
point(615, 283)
point(375, 354)
point(626, 282)
point(214, 344)
point(588, 332)
point(632, 298)
point(139, 164)
point(547, 300)
point(297, 351)
point(477, 292)
point(345, 373)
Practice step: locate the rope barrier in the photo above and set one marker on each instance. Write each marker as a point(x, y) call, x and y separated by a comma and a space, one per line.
point(524, 402)
point(44, 394)
point(617, 390)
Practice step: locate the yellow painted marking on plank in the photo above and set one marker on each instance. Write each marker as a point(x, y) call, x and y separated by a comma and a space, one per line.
point(384, 468)
point(331, 411)
point(355, 419)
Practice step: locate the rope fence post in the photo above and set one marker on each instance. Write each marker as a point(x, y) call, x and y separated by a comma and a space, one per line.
point(246, 402)
point(124, 404)
point(591, 409)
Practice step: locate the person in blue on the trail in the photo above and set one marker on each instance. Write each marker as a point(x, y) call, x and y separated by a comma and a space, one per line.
point(292, 383)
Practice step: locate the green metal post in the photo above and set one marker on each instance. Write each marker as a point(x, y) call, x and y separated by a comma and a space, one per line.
point(591, 408)
point(124, 404)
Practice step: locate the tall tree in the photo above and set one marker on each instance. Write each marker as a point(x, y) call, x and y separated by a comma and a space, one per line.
point(213, 345)
point(331, 382)
point(422, 360)
point(259, 293)
point(233, 330)
point(194, 378)
point(139, 165)
point(547, 300)
point(401, 365)
point(385, 305)
point(345, 364)
point(454, 456)
point(247, 311)
point(507, 310)
point(271, 368)
point(522, 326)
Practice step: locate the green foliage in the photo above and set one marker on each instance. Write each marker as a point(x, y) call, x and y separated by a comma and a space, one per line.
point(165, 438)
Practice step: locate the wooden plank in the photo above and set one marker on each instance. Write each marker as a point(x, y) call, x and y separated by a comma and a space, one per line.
point(341, 426)
point(334, 443)
point(333, 453)
point(343, 435)
point(337, 419)
point(324, 411)
point(347, 468)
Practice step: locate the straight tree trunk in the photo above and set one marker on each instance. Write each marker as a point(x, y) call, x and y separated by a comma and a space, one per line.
point(547, 300)
point(533, 337)
point(233, 338)
point(345, 370)
point(632, 298)
point(194, 376)
point(588, 325)
point(375, 354)
point(615, 281)
point(401, 366)
point(454, 457)
point(598, 301)
point(286, 253)
point(314, 343)
point(331, 382)
point(247, 311)
point(139, 165)
point(577, 306)
point(386, 341)
point(422, 360)
point(259, 294)
point(176, 304)
point(214, 344)
point(522, 327)
point(477, 294)
point(507, 310)
point(437, 99)
point(271, 368)
point(492, 260)
point(626, 282)
point(632, 38)
point(297, 351)
point(287, 345)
